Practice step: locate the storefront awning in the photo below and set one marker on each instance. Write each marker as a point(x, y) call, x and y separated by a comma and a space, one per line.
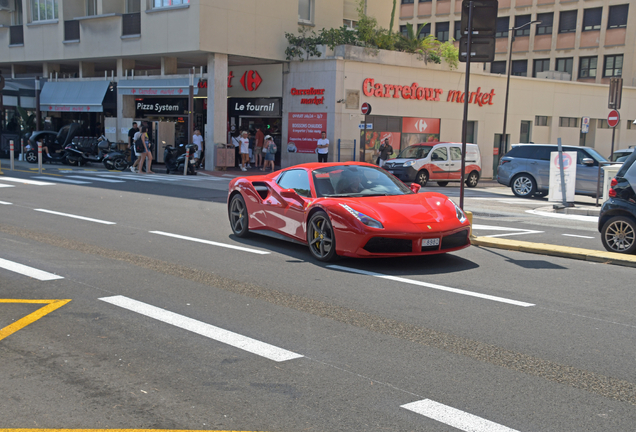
point(76, 96)
point(156, 87)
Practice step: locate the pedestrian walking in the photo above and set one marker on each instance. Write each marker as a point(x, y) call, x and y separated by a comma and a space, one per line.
point(131, 135)
point(258, 147)
point(197, 139)
point(146, 155)
point(270, 155)
point(322, 147)
point(245, 150)
point(386, 150)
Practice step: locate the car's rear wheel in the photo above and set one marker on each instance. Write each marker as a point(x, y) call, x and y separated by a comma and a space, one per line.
point(523, 185)
point(442, 184)
point(473, 179)
point(619, 235)
point(422, 178)
point(31, 156)
point(238, 216)
point(320, 236)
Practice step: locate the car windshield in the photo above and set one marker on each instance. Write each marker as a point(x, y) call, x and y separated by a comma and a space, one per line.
point(356, 181)
point(415, 152)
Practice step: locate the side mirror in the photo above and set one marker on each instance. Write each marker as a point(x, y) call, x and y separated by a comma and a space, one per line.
point(588, 161)
point(415, 187)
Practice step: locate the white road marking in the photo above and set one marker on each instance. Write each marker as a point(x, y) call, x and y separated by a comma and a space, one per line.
point(25, 181)
point(5, 203)
point(227, 337)
point(28, 271)
point(213, 243)
point(95, 179)
point(578, 236)
point(507, 200)
point(453, 417)
point(6, 186)
point(514, 231)
point(433, 286)
point(128, 177)
point(76, 217)
point(61, 180)
point(564, 216)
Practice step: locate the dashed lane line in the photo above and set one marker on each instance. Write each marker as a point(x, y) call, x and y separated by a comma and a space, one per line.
point(95, 179)
point(28, 271)
point(5, 203)
point(213, 243)
point(62, 180)
point(6, 186)
point(433, 286)
point(236, 340)
point(51, 305)
point(75, 216)
point(578, 236)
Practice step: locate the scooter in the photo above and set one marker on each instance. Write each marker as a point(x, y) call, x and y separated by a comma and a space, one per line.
point(87, 149)
point(116, 160)
point(175, 159)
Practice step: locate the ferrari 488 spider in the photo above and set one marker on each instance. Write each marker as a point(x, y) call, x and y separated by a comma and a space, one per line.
point(350, 209)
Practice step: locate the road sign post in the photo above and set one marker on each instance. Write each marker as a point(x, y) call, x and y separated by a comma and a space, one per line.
point(613, 119)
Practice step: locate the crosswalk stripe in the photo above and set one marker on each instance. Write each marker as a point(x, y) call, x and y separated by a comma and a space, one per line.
point(25, 181)
point(6, 186)
point(27, 271)
point(61, 180)
point(95, 179)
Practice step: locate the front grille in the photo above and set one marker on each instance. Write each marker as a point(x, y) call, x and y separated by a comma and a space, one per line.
point(393, 165)
point(455, 240)
point(388, 245)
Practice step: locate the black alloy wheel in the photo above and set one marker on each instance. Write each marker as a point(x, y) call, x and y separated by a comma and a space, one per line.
point(120, 163)
point(239, 218)
point(619, 235)
point(523, 185)
point(442, 184)
point(31, 156)
point(422, 178)
point(473, 179)
point(320, 236)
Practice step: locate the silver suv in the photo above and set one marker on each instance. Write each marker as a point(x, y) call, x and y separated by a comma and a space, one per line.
point(526, 169)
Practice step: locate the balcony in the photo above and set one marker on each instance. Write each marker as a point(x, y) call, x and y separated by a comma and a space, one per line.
point(131, 24)
point(16, 35)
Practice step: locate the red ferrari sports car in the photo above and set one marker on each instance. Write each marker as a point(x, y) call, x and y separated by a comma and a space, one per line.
point(351, 209)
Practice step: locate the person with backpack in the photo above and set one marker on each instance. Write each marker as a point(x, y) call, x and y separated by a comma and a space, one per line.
point(385, 151)
point(270, 156)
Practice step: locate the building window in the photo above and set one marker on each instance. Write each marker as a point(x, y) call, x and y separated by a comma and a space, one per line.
point(498, 67)
point(458, 30)
point(520, 68)
point(567, 22)
point(521, 20)
point(540, 65)
point(407, 1)
point(351, 24)
point(613, 66)
point(602, 124)
point(404, 30)
point(592, 19)
point(442, 30)
point(587, 67)
point(133, 6)
point(631, 124)
point(546, 23)
point(541, 120)
point(424, 31)
point(565, 65)
point(503, 23)
point(168, 3)
point(304, 11)
point(617, 16)
point(43, 10)
point(16, 15)
point(568, 122)
point(91, 7)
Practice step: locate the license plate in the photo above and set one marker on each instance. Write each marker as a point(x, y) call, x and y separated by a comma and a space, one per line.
point(430, 242)
point(390, 171)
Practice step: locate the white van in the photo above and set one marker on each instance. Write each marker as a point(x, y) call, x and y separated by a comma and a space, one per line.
point(436, 161)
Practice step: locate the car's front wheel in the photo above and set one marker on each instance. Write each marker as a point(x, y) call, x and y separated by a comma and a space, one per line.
point(473, 179)
point(619, 235)
point(239, 218)
point(321, 238)
point(523, 185)
point(31, 156)
point(422, 178)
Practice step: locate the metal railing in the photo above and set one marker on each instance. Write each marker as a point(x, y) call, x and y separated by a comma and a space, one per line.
point(346, 148)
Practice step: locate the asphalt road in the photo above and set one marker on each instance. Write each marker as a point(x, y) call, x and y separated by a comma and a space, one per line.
point(173, 323)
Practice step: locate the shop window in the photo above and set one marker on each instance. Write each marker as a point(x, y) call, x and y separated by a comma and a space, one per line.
point(442, 30)
point(458, 30)
point(613, 66)
point(545, 26)
point(587, 67)
point(133, 6)
point(592, 19)
point(541, 120)
point(572, 122)
point(471, 131)
point(540, 65)
point(498, 67)
point(565, 65)
point(617, 16)
point(424, 31)
point(519, 21)
point(91, 7)
point(43, 10)
point(305, 14)
point(520, 68)
point(168, 3)
point(602, 124)
point(567, 21)
point(503, 24)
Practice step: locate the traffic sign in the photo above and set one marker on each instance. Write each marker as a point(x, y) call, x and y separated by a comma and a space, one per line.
point(585, 125)
point(613, 118)
point(366, 108)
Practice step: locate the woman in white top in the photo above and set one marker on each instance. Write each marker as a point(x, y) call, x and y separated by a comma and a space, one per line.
point(245, 150)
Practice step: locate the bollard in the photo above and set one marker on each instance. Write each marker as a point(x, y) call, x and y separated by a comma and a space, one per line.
point(11, 156)
point(187, 160)
point(39, 157)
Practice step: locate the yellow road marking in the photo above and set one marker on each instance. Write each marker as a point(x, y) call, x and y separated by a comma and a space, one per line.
point(51, 305)
point(113, 430)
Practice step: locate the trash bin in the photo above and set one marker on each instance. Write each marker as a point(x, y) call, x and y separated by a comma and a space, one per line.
point(224, 156)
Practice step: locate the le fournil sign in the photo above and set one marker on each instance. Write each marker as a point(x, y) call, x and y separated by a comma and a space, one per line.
point(372, 89)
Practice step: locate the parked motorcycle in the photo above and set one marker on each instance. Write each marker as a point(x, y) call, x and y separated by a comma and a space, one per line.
point(116, 160)
point(55, 142)
point(83, 150)
point(175, 159)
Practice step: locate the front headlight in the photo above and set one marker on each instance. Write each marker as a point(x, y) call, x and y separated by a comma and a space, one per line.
point(368, 221)
point(461, 216)
point(409, 163)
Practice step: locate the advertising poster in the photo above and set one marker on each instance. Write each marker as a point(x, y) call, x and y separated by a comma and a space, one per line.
point(303, 131)
point(374, 139)
point(569, 172)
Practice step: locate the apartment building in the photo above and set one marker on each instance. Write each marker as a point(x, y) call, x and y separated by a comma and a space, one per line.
point(577, 40)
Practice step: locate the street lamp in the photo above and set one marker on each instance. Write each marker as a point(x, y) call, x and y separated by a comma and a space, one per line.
point(503, 145)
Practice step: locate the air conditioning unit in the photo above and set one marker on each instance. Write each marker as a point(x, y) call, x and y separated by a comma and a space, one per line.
point(7, 5)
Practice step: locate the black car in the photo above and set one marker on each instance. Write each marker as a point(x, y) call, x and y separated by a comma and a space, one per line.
point(617, 221)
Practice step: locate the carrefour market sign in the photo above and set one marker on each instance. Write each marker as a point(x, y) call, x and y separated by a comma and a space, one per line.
point(370, 88)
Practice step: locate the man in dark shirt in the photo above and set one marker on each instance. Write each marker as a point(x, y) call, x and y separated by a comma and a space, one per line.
point(131, 133)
